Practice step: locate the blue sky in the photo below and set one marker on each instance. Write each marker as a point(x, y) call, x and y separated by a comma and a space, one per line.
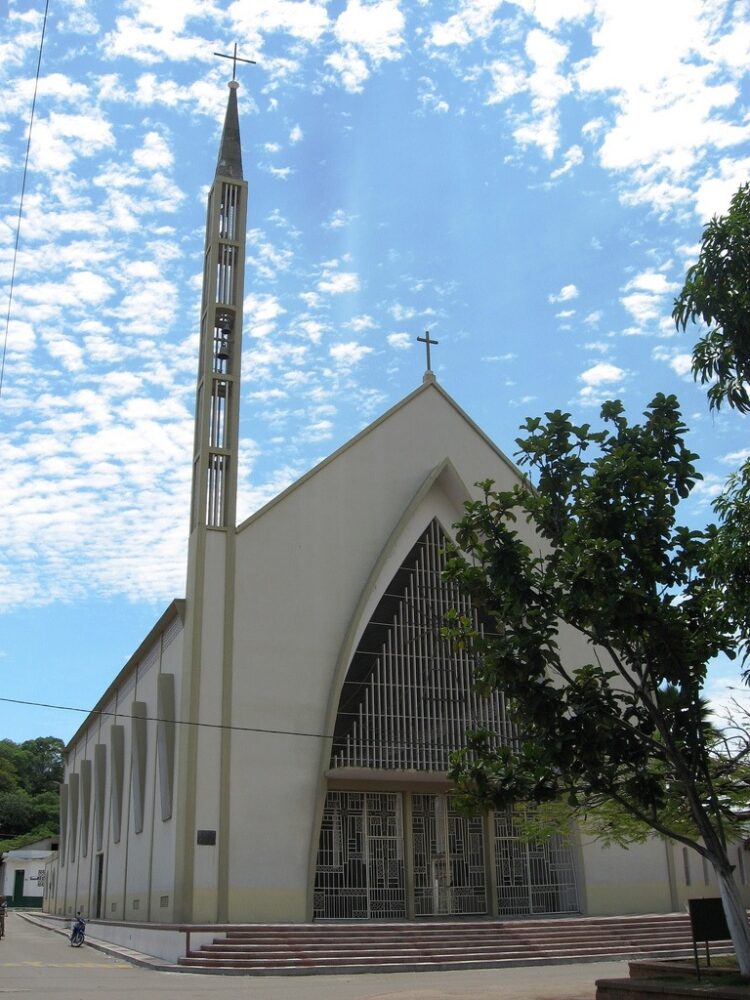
point(527, 179)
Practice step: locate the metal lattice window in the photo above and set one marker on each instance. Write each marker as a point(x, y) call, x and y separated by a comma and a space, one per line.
point(532, 876)
point(360, 865)
point(409, 696)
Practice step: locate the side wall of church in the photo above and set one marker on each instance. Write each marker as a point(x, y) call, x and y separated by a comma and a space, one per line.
point(117, 843)
point(654, 877)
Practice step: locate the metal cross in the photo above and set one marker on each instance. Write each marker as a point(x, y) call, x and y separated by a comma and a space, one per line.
point(427, 342)
point(235, 59)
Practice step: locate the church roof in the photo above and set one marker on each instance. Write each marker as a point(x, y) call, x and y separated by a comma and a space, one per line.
point(430, 384)
point(229, 163)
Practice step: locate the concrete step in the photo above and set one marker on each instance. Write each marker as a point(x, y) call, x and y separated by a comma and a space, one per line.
point(341, 946)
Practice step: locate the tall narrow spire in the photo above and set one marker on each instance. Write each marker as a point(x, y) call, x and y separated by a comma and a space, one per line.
point(203, 879)
point(229, 163)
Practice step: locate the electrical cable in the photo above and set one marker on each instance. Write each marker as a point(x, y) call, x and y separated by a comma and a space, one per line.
point(20, 205)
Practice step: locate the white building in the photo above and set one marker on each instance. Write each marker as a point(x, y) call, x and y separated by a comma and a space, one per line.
point(22, 873)
point(276, 749)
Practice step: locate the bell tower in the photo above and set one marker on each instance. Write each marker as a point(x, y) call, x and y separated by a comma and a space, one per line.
point(201, 849)
point(217, 399)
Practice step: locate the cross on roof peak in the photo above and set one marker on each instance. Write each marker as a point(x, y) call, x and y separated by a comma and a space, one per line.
point(235, 59)
point(428, 342)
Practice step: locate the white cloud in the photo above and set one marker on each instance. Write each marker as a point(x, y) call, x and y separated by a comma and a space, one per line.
point(336, 283)
point(680, 363)
point(645, 296)
point(547, 86)
point(306, 20)
point(571, 159)
point(338, 220)
point(350, 353)
point(600, 382)
point(360, 323)
point(60, 139)
point(566, 293)
point(602, 373)
point(508, 78)
point(296, 135)
point(402, 313)
point(401, 341)
point(261, 311)
point(368, 33)
point(474, 20)
point(673, 104)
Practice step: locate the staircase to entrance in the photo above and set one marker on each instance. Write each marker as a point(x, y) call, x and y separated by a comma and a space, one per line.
point(284, 949)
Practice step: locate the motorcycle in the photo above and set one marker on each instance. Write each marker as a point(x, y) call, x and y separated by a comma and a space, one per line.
point(79, 931)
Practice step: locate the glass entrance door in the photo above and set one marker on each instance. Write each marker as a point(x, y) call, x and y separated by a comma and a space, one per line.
point(449, 863)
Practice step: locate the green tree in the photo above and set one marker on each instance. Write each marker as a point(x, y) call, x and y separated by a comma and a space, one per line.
point(30, 775)
point(717, 292)
point(40, 764)
point(602, 553)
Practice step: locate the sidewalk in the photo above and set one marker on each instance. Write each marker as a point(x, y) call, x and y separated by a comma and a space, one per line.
point(156, 979)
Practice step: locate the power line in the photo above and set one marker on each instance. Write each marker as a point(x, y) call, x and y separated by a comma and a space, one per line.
point(219, 725)
point(20, 204)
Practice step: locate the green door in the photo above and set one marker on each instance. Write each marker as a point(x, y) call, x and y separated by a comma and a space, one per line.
point(18, 888)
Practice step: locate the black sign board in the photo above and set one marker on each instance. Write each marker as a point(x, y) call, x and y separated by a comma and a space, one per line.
point(207, 837)
point(708, 923)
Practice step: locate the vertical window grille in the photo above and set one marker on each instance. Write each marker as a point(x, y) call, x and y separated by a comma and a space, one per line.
point(228, 207)
point(686, 864)
point(216, 491)
point(409, 697)
point(225, 271)
point(533, 876)
point(217, 421)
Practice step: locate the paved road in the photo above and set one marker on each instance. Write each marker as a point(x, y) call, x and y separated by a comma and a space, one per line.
point(36, 964)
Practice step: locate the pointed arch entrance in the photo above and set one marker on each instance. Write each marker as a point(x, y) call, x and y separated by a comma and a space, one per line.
point(392, 844)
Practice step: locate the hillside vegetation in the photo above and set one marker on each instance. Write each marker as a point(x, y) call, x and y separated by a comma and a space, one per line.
point(30, 775)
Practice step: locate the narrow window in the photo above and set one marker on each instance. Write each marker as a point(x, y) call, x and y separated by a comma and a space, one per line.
point(118, 773)
point(686, 864)
point(138, 762)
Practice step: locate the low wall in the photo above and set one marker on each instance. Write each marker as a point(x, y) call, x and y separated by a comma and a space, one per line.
point(165, 941)
point(651, 989)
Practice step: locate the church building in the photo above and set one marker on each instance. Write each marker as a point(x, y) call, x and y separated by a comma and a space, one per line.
point(277, 748)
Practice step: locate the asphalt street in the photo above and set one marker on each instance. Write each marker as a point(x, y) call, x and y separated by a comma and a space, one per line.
point(37, 963)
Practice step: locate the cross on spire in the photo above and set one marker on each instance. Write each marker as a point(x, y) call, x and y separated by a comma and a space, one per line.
point(235, 59)
point(427, 343)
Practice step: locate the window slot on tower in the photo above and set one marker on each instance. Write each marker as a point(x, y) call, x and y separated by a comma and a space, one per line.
point(228, 212)
point(222, 347)
point(215, 491)
point(225, 275)
point(217, 428)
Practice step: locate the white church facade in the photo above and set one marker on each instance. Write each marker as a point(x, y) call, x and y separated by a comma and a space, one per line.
point(276, 750)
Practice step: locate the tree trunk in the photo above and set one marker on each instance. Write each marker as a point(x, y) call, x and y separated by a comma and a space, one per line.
point(734, 911)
